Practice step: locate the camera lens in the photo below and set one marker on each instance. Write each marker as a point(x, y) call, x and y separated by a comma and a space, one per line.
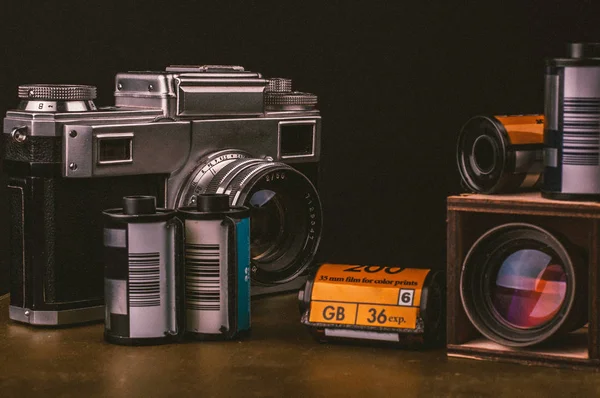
point(285, 211)
point(520, 286)
point(279, 226)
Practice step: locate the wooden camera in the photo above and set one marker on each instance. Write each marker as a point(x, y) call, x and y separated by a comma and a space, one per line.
point(523, 279)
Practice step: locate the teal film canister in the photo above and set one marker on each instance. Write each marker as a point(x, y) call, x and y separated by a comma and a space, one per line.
point(217, 269)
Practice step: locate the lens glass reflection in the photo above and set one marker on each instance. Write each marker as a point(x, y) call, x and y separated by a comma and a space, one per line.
point(529, 288)
point(267, 222)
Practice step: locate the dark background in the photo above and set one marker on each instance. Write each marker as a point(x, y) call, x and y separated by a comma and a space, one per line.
point(395, 83)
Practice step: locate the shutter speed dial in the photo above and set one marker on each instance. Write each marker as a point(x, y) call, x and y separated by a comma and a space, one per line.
point(280, 97)
point(57, 98)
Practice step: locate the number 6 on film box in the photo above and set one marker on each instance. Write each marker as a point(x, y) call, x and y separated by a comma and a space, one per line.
point(403, 306)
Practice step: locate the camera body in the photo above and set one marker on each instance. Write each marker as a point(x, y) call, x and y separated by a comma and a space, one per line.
point(173, 135)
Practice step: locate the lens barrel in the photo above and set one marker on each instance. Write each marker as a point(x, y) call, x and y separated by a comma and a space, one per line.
point(572, 130)
point(497, 154)
point(520, 286)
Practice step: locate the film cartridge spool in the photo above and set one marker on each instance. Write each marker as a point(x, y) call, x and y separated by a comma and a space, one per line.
point(501, 154)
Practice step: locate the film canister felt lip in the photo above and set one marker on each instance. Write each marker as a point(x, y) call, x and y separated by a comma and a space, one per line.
point(386, 304)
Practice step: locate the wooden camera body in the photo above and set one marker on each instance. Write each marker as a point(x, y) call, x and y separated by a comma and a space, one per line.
point(472, 215)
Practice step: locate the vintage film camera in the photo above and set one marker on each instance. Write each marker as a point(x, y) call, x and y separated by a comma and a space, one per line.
point(173, 135)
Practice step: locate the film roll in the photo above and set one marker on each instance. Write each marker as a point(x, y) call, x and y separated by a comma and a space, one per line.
point(389, 304)
point(217, 268)
point(501, 154)
point(572, 131)
point(142, 256)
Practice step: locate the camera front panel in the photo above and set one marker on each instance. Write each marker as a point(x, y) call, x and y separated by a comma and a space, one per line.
point(256, 137)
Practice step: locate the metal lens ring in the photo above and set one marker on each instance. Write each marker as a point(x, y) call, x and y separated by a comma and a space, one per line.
point(518, 285)
point(481, 154)
point(286, 216)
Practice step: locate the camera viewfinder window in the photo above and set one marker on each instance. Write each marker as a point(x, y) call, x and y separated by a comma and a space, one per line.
point(296, 140)
point(114, 150)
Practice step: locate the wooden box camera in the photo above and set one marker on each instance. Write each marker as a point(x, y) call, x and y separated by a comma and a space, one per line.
point(576, 225)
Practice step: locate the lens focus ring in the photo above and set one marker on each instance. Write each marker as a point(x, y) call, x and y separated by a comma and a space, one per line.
point(222, 179)
point(240, 179)
point(57, 92)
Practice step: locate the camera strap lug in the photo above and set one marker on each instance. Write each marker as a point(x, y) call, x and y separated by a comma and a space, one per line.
point(18, 134)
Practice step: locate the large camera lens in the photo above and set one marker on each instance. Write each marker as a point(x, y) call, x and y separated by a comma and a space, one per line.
point(285, 210)
point(520, 286)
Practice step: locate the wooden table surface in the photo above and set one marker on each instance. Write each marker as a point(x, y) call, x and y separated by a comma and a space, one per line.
point(280, 359)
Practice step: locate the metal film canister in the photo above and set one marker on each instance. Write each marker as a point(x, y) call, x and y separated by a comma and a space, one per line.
point(499, 154)
point(217, 268)
point(572, 131)
point(142, 255)
point(394, 305)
